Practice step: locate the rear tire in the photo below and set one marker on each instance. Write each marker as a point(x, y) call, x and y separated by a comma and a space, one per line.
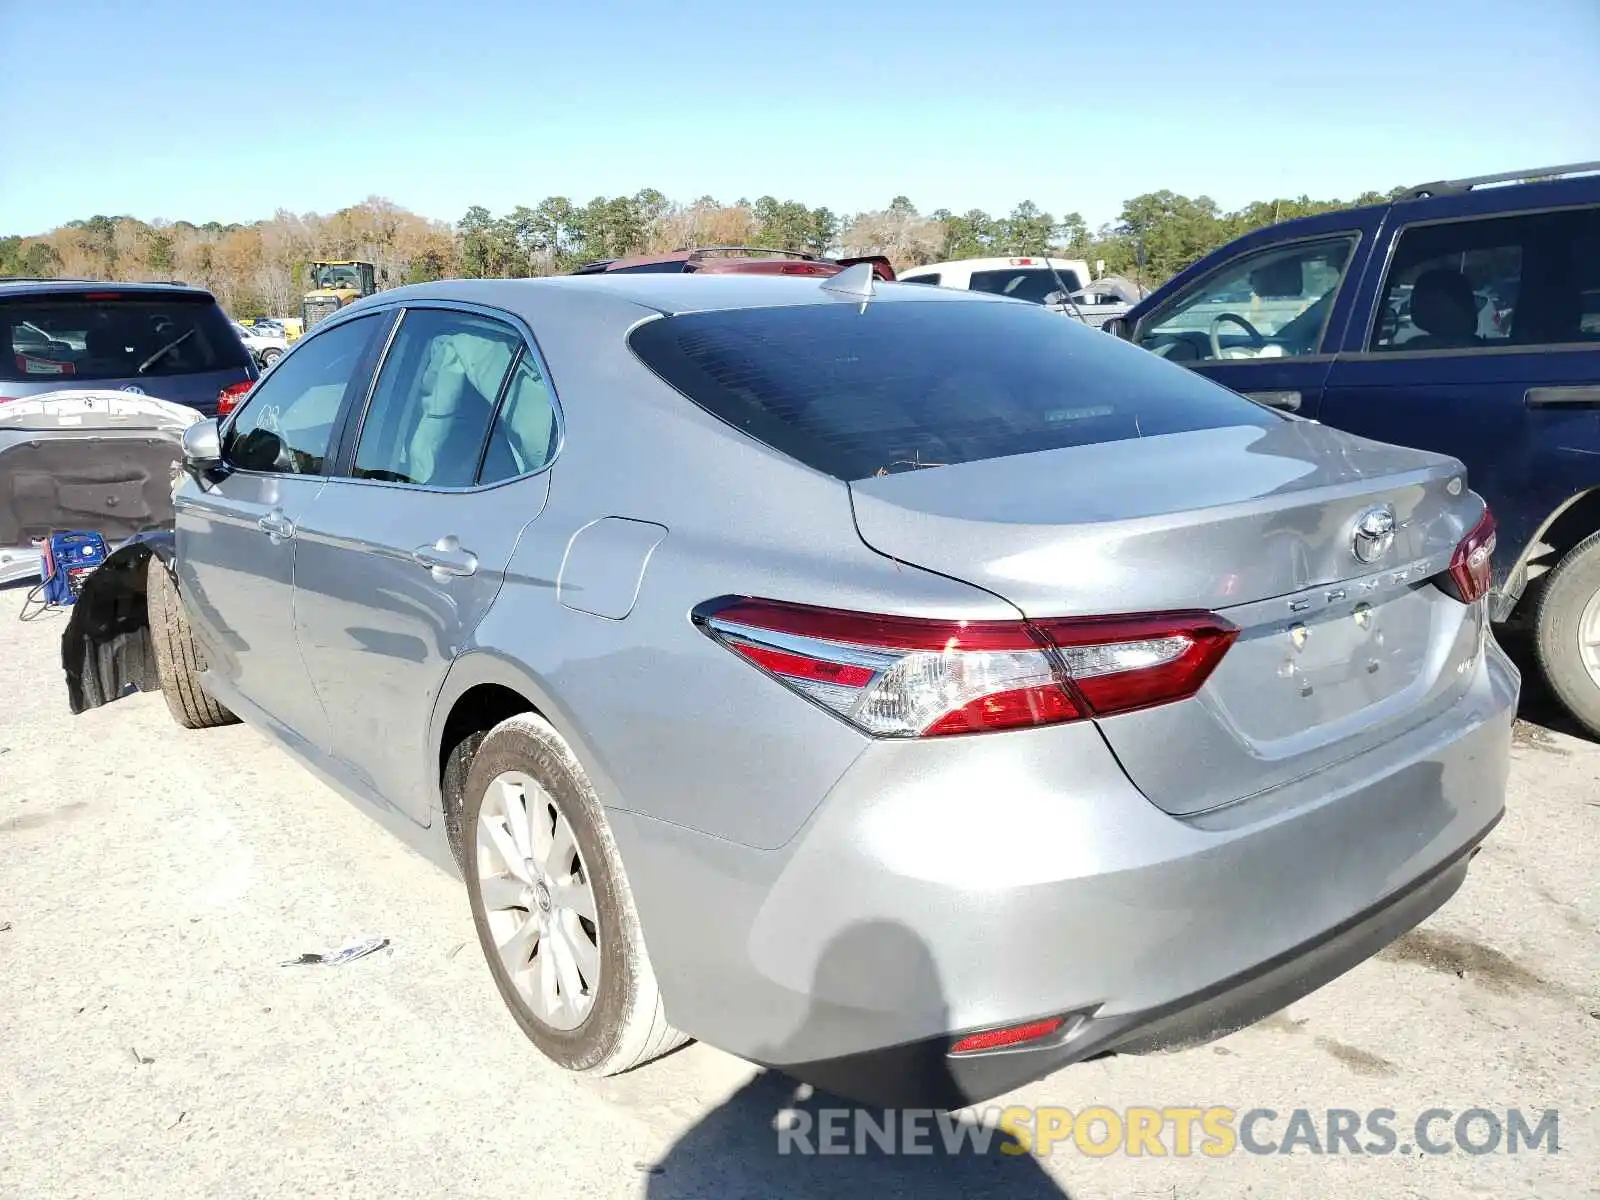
point(268, 357)
point(1567, 632)
point(179, 662)
point(624, 1023)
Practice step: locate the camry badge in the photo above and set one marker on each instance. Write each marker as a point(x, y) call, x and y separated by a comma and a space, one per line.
point(1374, 534)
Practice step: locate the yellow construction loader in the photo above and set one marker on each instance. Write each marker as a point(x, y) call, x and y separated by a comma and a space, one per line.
point(335, 285)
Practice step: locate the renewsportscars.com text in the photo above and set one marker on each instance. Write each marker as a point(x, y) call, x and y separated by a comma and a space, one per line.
point(1214, 1132)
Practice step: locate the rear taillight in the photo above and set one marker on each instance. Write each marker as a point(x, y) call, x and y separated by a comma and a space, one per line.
point(1471, 566)
point(228, 398)
point(911, 677)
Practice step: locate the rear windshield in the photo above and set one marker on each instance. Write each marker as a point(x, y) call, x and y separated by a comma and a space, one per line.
point(1025, 283)
point(917, 384)
point(54, 338)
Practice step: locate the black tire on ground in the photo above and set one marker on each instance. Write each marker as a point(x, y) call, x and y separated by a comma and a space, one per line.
point(178, 660)
point(1568, 590)
point(268, 357)
point(627, 1025)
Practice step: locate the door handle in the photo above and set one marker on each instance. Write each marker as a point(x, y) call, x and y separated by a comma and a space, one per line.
point(1579, 396)
point(446, 559)
point(1288, 401)
point(276, 526)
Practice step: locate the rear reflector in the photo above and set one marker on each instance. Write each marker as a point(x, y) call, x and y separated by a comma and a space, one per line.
point(911, 677)
point(1471, 566)
point(228, 398)
point(1011, 1035)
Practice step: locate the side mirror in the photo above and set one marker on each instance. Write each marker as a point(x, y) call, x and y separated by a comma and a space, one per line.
point(202, 447)
point(1054, 298)
point(1118, 327)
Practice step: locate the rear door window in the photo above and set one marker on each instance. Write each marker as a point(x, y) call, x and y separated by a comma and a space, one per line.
point(1522, 280)
point(919, 383)
point(75, 338)
point(431, 411)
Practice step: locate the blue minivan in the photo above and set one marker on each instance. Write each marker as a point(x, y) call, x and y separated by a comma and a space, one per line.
point(1463, 317)
point(163, 340)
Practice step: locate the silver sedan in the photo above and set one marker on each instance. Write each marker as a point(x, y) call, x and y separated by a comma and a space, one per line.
point(904, 688)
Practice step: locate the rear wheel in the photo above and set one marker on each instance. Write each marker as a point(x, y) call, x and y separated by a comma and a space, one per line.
point(552, 906)
point(268, 357)
point(178, 660)
point(1567, 632)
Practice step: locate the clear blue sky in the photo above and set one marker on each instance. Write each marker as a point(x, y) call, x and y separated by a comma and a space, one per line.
point(227, 110)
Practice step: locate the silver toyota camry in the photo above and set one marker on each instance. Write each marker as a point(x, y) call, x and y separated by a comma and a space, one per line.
point(903, 688)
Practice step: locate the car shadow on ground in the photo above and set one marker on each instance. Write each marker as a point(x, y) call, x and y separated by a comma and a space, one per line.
point(740, 1148)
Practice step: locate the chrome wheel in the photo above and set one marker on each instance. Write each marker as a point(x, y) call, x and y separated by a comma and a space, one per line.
point(537, 900)
point(1589, 637)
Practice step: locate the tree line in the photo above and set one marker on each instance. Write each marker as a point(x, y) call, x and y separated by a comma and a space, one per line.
point(259, 268)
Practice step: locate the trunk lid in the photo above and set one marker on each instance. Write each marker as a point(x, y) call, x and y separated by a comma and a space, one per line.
point(1259, 525)
point(88, 461)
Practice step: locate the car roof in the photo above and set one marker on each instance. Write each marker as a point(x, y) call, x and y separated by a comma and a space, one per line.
point(668, 293)
point(17, 287)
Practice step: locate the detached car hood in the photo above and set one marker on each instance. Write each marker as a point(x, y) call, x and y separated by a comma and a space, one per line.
point(91, 461)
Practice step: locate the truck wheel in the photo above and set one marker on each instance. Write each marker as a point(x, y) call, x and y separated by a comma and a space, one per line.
point(178, 659)
point(553, 908)
point(1567, 632)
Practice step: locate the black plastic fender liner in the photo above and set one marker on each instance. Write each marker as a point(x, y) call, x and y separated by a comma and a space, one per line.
point(105, 648)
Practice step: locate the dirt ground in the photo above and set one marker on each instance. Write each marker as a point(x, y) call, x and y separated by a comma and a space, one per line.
point(152, 881)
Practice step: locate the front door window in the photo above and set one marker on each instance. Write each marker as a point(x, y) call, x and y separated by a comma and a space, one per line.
point(1270, 304)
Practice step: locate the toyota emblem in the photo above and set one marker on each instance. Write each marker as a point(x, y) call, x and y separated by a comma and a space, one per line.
point(1374, 534)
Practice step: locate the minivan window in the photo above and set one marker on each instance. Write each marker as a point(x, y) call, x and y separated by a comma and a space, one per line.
point(74, 338)
point(1499, 281)
point(1032, 283)
point(915, 384)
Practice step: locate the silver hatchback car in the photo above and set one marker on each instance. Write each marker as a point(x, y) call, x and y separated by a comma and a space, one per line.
point(903, 688)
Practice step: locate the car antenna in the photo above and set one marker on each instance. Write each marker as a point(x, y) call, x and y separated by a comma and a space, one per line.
point(854, 282)
point(1061, 284)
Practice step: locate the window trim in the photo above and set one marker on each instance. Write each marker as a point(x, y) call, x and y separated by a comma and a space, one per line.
point(1355, 233)
point(1366, 351)
point(340, 419)
point(347, 449)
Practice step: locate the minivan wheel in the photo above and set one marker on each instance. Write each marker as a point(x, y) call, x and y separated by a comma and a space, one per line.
point(1567, 632)
point(552, 906)
point(179, 662)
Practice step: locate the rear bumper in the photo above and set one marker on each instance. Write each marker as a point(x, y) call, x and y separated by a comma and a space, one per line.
point(963, 884)
point(925, 1074)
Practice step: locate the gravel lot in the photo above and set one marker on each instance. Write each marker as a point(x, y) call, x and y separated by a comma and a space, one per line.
point(152, 881)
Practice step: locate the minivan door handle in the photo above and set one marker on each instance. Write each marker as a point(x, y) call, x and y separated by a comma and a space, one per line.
point(1579, 396)
point(1288, 401)
point(446, 559)
point(276, 526)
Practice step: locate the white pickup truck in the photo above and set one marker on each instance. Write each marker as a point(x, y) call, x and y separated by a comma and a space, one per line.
point(1064, 284)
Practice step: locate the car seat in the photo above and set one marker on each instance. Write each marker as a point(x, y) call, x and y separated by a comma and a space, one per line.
point(1444, 308)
